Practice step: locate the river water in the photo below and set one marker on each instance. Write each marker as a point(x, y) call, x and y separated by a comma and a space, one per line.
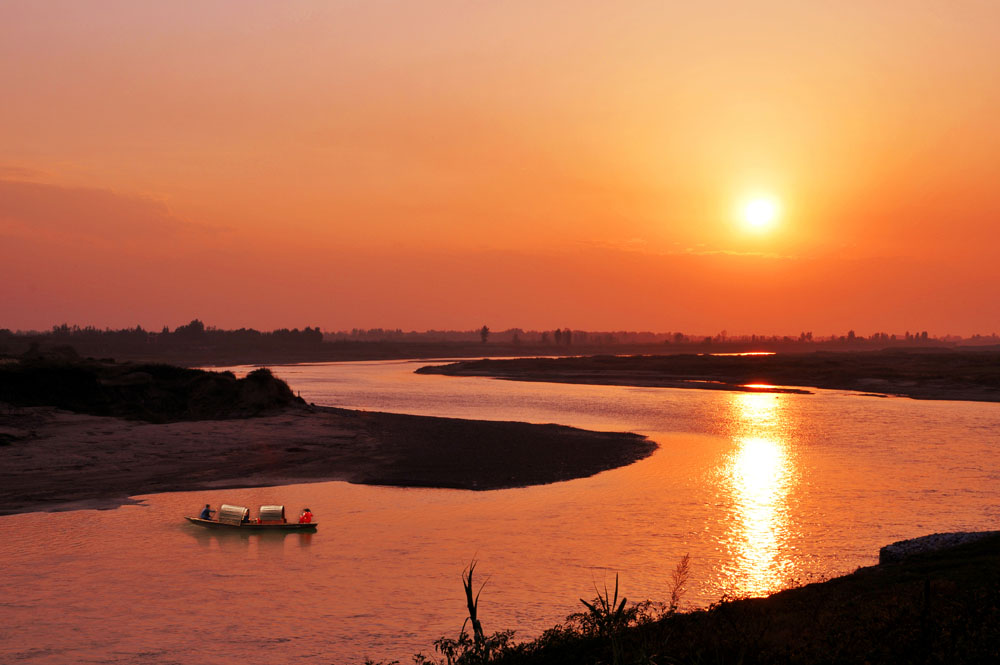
point(762, 490)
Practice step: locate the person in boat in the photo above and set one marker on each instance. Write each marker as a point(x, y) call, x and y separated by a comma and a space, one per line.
point(246, 516)
point(306, 517)
point(206, 512)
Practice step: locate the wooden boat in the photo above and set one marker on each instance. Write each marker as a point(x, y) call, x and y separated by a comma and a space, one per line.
point(237, 518)
point(252, 526)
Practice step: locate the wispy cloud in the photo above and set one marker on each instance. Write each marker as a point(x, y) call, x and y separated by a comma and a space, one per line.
point(642, 246)
point(628, 245)
point(695, 251)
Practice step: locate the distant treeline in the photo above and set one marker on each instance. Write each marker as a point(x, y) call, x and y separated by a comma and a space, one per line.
point(193, 337)
point(568, 337)
point(195, 343)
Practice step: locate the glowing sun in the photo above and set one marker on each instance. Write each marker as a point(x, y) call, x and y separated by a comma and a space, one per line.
point(761, 214)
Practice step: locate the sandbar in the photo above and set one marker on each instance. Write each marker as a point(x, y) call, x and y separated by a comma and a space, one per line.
point(57, 460)
point(941, 375)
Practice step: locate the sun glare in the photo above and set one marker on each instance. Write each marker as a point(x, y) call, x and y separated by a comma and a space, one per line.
point(760, 214)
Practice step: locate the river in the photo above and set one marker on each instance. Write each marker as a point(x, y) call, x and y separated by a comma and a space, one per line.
point(763, 490)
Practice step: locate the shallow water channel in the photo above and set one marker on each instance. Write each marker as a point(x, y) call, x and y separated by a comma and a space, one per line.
point(763, 491)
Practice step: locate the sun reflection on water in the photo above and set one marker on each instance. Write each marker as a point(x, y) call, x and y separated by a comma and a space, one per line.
point(758, 473)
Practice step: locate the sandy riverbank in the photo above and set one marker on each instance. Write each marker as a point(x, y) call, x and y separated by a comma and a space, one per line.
point(53, 459)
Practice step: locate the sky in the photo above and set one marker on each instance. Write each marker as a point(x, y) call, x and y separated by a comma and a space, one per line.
point(444, 165)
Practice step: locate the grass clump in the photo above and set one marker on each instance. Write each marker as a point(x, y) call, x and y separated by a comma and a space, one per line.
point(469, 649)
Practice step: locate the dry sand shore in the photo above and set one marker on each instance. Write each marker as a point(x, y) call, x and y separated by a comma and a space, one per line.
point(58, 460)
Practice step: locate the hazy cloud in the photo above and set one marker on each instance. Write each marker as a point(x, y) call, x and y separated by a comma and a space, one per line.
point(12, 172)
point(32, 208)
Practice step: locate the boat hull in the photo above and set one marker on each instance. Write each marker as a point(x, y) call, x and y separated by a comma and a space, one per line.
point(249, 526)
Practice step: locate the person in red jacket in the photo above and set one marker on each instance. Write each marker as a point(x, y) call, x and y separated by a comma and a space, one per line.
point(306, 517)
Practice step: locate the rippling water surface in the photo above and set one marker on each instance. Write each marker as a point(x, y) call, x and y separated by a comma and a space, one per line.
point(763, 491)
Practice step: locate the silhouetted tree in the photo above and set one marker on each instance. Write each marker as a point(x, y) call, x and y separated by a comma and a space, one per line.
point(557, 335)
point(484, 333)
point(194, 329)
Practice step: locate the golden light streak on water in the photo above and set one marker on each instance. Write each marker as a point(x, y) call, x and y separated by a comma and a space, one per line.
point(756, 412)
point(759, 473)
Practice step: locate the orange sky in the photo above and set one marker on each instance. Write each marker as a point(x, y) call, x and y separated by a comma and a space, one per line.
point(533, 164)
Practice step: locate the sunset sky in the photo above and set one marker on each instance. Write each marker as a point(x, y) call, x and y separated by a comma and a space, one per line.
point(533, 164)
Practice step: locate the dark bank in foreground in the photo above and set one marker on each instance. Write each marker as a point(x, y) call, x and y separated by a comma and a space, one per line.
point(927, 606)
point(77, 434)
point(920, 374)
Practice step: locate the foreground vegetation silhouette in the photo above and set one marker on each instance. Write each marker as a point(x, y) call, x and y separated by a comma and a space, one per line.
point(935, 607)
